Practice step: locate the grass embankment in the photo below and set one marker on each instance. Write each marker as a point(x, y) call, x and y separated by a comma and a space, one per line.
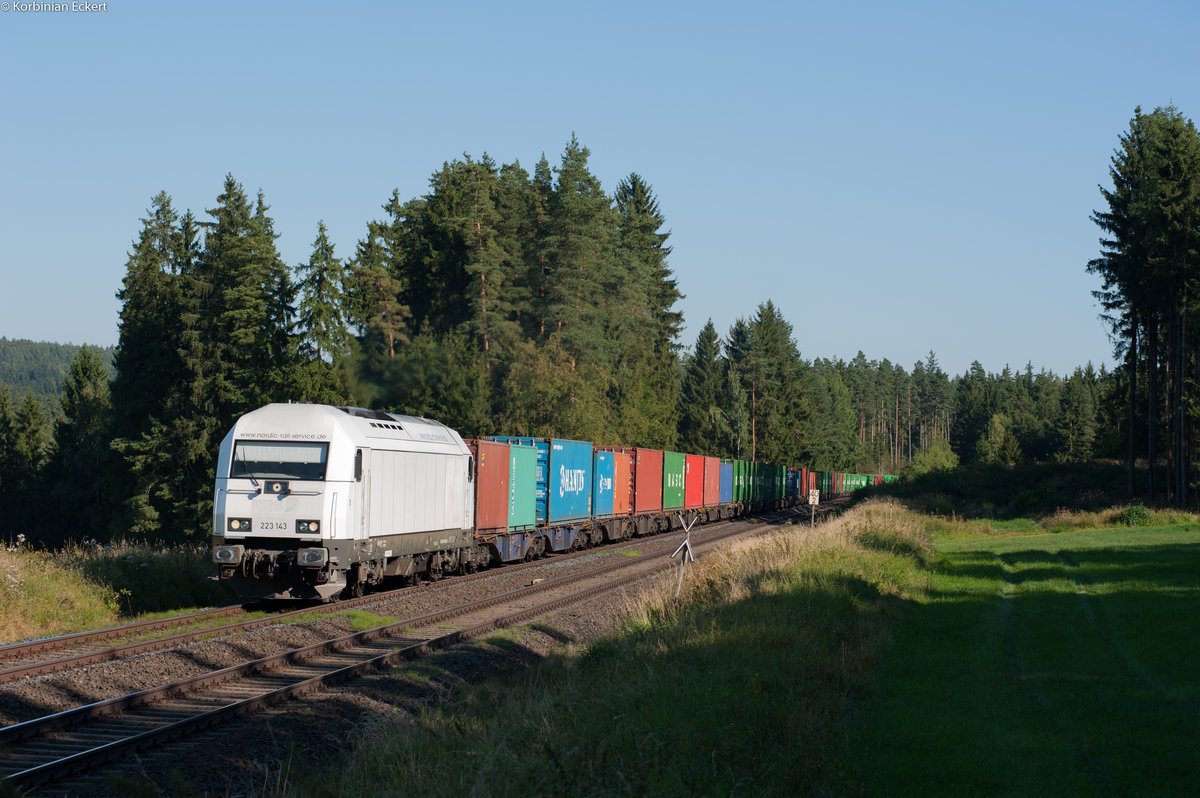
point(88, 587)
point(740, 686)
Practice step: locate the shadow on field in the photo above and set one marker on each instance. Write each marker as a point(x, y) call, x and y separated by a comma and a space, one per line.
point(1042, 672)
point(997, 492)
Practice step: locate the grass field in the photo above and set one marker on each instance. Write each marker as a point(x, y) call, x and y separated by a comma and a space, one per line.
point(886, 653)
point(1054, 664)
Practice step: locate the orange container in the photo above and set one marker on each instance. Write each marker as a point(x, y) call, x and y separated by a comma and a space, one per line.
point(491, 485)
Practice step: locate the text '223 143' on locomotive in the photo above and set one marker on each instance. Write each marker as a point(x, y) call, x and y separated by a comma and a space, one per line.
point(316, 502)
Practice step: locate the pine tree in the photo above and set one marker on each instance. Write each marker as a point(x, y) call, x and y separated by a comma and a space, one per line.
point(1152, 229)
point(374, 293)
point(580, 239)
point(147, 361)
point(80, 473)
point(26, 458)
point(8, 494)
point(1077, 425)
point(321, 321)
point(997, 445)
point(703, 428)
point(643, 321)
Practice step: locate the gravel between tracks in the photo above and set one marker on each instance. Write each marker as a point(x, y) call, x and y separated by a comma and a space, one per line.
point(248, 756)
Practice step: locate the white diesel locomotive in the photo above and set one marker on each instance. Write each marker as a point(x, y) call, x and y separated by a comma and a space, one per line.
point(315, 501)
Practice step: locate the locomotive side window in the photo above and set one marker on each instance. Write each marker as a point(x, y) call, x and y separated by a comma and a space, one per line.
point(275, 460)
point(358, 457)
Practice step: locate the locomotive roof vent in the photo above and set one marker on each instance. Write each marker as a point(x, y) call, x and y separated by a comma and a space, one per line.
point(362, 412)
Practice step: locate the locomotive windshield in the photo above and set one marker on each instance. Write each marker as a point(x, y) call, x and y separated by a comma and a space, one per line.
point(274, 460)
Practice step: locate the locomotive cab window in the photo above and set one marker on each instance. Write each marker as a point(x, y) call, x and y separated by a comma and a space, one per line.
point(277, 460)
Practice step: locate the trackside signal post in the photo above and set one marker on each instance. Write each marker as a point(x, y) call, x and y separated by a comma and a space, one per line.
point(814, 498)
point(686, 548)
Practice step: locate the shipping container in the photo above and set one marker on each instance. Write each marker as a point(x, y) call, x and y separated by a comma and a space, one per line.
point(522, 487)
point(727, 481)
point(564, 478)
point(491, 485)
point(648, 481)
point(712, 481)
point(674, 473)
point(741, 481)
point(693, 481)
point(624, 487)
point(602, 483)
point(793, 481)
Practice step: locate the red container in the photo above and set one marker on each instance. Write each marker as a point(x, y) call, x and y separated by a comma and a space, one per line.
point(624, 488)
point(712, 481)
point(693, 482)
point(648, 480)
point(491, 486)
point(622, 481)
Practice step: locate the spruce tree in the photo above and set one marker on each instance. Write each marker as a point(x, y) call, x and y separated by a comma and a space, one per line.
point(147, 363)
point(80, 473)
point(27, 456)
point(580, 240)
point(642, 319)
point(321, 323)
point(1077, 424)
point(8, 495)
point(703, 428)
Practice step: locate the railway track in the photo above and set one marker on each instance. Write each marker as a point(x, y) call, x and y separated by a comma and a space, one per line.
point(57, 746)
point(29, 659)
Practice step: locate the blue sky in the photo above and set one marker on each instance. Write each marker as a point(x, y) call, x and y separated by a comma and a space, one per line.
point(897, 178)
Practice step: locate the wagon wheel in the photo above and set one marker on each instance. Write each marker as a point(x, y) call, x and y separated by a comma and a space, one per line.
point(354, 587)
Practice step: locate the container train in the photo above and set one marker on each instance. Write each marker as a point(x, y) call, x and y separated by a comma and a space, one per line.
point(317, 502)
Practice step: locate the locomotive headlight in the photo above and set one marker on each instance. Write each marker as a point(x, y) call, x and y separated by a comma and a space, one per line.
point(311, 527)
point(227, 555)
point(239, 525)
point(312, 558)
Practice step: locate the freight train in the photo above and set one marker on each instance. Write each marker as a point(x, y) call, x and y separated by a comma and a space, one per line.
point(317, 502)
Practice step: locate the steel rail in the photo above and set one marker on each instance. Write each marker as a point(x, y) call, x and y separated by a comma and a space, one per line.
point(113, 653)
point(69, 765)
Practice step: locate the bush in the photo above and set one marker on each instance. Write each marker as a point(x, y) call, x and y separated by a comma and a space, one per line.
point(1134, 515)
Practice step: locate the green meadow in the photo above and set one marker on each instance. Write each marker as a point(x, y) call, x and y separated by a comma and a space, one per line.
point(885, 653)
point(1042, 663)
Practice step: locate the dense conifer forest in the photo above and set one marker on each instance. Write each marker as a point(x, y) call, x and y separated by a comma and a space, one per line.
point(536, 302)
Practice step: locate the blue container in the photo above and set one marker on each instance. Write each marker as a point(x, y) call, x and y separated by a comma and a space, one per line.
point(602, 484)
point(564, 478)
point(726, 492)
point(570, 483)
point(793, 482)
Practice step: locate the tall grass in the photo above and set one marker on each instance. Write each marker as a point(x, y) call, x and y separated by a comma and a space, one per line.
point(735, 687)
point(78, 587)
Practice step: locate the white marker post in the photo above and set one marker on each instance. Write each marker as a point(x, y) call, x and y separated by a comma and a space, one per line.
point(686, 547)
point(814, 498)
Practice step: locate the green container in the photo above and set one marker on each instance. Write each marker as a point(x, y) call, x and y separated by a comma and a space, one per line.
point(522, 487)
point(674, 472)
